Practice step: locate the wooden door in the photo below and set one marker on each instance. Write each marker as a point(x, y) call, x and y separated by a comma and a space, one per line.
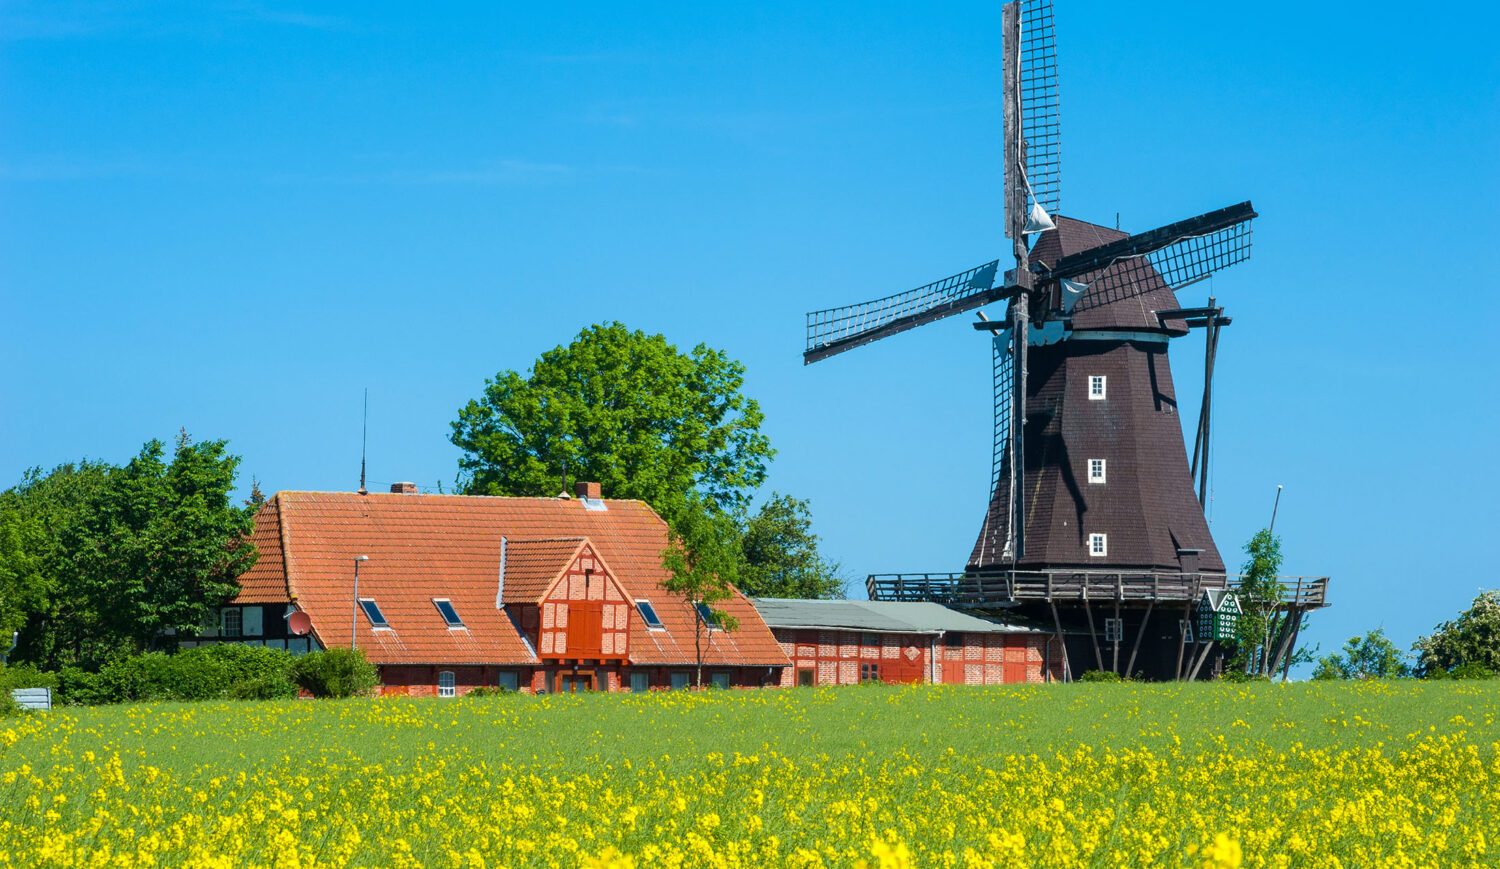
point(585, 628)
point(574, 683)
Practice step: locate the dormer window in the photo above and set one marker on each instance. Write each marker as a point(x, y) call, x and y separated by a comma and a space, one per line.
point(1096, 387)
point(706, 615)
point(649, 616)
point(373, 613)
point(446, 610)
point(1098, 545)
point(1096, 470)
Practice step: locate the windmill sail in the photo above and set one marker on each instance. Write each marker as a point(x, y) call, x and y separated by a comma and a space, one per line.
point(1173, 256)
point(835, 330)
point(1039, 103)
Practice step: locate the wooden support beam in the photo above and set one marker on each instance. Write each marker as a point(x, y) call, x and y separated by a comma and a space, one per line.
point(1286, 667)
point(1187, 618)
point(1061, 641)
point(1114, 661)
point(1284, 639)
point(1093, 633)
point(1130, 665)
point(1202, 656)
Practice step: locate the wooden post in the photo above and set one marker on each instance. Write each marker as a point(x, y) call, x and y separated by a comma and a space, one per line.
point(1130, 665)
point(1114, 661)
point(1187, 619)
point(1093, 633)
point(1286, 668)
point(1203, 656)
point(1061, 640)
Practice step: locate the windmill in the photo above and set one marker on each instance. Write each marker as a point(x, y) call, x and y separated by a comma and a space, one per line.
point(1091, 492)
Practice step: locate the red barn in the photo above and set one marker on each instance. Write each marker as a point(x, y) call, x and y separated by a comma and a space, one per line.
point(534, 594)
point(842, 642)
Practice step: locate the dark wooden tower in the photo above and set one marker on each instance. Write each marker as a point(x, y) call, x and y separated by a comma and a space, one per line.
point(1093, 526)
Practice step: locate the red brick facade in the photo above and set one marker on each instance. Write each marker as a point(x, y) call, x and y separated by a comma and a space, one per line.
point(828, 656)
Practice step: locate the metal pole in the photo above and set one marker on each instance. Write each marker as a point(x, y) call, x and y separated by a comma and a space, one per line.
point(354, 616)
point(1274, 507)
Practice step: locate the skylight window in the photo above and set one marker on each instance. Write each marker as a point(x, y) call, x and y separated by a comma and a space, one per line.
point(373, 613)
point(649, 616)
point(446, 610)
point(596, 504)
point(707, 615)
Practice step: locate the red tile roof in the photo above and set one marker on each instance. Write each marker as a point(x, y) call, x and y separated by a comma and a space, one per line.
point(531, 566)
point(422, 547)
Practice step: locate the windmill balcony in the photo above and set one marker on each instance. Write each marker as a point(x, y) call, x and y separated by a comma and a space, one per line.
point(1015, 587)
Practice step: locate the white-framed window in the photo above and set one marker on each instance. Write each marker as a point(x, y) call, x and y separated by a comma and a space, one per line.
point(230, 624)
point(1096, 387)
point(648, 615)
point(373, 613)
point(446, 610)
point(706, 615)
point(1098, 544)
point(447, 685)
point(1096, 470)
point(1114, 630)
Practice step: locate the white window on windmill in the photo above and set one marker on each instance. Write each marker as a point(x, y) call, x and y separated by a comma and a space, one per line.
point(1096, 470)
point(1218, 614)
point(1114, 630)
point(1096, 387)
point(1098, 545)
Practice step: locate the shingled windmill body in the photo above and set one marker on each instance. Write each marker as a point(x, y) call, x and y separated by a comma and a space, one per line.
point(1093, 525)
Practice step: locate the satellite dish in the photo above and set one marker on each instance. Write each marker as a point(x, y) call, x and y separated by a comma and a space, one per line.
point(299, 623)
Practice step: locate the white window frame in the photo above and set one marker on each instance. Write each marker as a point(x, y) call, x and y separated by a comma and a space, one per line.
point(224, 620)
point(1098, 387)
point(1096, 478)
point(451, 688)
point(1098, 545)
point(452, 626)
point(384, 624)
point(1114, 630)
point(658, 626)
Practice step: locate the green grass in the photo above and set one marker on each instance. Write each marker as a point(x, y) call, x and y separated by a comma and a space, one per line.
point(908, 756)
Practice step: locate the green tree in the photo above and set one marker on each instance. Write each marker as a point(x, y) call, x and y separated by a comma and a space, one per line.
point(626, 409)
point(124, 554)
point(703, 557)
point(1472, 640)
point(1260, 593)
point(1372, 656)
point(780, 554)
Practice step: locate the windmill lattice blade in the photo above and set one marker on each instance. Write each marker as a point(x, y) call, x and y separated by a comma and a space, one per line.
point(835, 330)
point(1040, 103)
point(1177, 265)
point(995, 536)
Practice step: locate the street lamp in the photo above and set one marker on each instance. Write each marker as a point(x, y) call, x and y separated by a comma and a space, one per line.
point(354, 616)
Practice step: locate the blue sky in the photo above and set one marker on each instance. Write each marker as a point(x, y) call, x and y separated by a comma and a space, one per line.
point(234, 217)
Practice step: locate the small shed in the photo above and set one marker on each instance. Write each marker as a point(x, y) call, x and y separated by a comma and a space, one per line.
point(842, 642)
point(1218, 614)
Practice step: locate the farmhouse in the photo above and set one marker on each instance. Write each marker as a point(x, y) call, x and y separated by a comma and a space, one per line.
point(456, 592)
point(841, 642)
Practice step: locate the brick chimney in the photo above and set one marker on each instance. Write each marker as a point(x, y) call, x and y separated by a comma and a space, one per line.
point(404, 488)
point(587, 490)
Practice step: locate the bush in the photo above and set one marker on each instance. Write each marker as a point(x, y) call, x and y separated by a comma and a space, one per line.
point(1100, 676)
point(488, 691)
point(213, 672)
point(335, 673)
point(1471, 670)
point(1235, 675)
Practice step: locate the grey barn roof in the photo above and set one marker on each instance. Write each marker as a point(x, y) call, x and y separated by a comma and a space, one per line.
point(870, 615)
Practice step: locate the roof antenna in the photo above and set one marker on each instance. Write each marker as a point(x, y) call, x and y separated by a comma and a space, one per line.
point(1117, 221)
point(364, 438)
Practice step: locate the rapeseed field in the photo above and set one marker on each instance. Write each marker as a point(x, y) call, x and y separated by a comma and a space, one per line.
point(1337, 775)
